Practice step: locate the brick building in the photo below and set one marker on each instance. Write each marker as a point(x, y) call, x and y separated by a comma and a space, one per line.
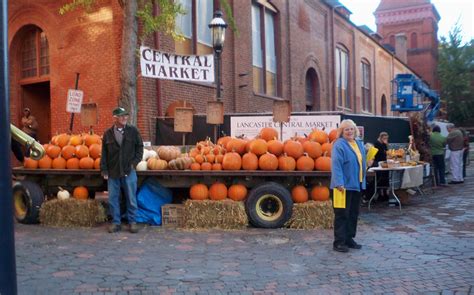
point(305, 51)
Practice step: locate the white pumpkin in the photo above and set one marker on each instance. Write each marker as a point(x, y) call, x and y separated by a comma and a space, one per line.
point(147, 154)
point(142, 166)
point(152, 154)
point(63, 194)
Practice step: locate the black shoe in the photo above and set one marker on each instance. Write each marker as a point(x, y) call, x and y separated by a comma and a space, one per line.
point(353, 245)
point(340, 248)
point(455, 182)
point(134, 228)
point(113, 228)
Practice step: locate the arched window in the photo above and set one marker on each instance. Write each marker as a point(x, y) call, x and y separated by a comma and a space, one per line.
point(342, 78)
point(413, 40)
point(365, 86)
point(34, 54)
point(392, 41)
point(312, 90)
point(383, 105)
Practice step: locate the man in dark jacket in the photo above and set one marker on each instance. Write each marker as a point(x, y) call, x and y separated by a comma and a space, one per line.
point(122, 150)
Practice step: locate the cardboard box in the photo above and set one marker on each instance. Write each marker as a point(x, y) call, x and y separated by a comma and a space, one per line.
point(172, 215)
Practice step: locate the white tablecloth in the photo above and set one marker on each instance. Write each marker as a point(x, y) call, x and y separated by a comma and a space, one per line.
point(412, 175)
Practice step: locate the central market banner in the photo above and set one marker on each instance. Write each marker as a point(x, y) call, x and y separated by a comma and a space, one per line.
point(162, 65)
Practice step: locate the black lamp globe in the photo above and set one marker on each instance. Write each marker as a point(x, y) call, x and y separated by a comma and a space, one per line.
point(218, 27)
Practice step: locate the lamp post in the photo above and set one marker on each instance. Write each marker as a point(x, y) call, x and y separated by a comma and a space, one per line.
point(218, 27)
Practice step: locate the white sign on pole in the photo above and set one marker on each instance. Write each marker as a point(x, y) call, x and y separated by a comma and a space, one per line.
point(298, 125)
point(162, 65)
point(74, 100)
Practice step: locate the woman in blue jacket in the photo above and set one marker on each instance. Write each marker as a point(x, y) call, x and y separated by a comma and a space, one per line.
point(348, 169)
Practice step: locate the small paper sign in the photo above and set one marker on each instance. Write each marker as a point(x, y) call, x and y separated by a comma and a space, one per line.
point(74, 100)
point(215, 112)
point(183, 120)
point(89, 114)
point(281, 111)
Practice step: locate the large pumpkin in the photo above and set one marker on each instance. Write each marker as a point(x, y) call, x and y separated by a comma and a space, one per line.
point(199, 191)
point(206, 166)
point(323, 163)
point(81, 151)
point(326, 149)
point(72, 163)
point(286, 163)
point(333, 135)
point(86, 163)
point(299, 194)
point(97, 163)
point(222, 141)
point(275, 147)
point(320, 193)
point(61, 140)
point(45, 162)
point(232, 161)
point(53, 151)
point(30, 163)
point(156, 164)
point(258, 146)
point(59, 163)
point(313, 149)
point(80, 193)
point(293, 148)
point(68, 152)
point(305, 163)
point(249, 161)
point(268, 133)
point(318, 135)
point(95, 150)
point(76, 140)
point(237, 192)
point(181, 163)
point(237, 145)
point(268, 162)
point(218, 191)
point(168, 153)
point(90, 139)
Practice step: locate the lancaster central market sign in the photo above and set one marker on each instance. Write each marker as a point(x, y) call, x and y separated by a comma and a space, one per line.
point(162, 65)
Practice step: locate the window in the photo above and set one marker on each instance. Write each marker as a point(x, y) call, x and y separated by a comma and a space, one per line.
point(413, 40)
point(312, 90)
point(34, 54)
point(194, 26)
point(383, 105)
point(366, 99)
point(392, 41)
point(342, 77)
point(264, 59)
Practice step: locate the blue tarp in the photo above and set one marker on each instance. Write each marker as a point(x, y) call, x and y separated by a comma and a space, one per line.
point(151, 196)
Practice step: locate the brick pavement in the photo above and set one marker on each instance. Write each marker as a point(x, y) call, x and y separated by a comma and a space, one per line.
point(428, 248)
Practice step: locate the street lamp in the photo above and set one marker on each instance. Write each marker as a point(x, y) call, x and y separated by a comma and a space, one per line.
point(218, 27)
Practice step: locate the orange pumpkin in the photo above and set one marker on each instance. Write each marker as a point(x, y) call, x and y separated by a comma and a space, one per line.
point(95, 150)
point(249, 161)
point(320, 193)
point(30, 163)
point(193, 152)
point(313, 149)
point(217, 166)
point(68, 152)
point(80, 193)
point(318, 135)
point(333, 135)
point(219, 158)
point(206, 166)
point(199, 158)
point(299, 194)
point(59, 163)
point(218, 191)
point(81, 151)
point(293, 148)
point(199, 191)
point(76, 140)
point(231, 161)
point(45, 162)
point(90, 139)
point(326, 149)
point(210, 157)
point(237, 192)
point(275, 147)
point(268, 162)
point(62, 140)
point(286, 163)
point(222, 141)
point(305, 163)
point(323, 163)
point(72, 163)
point(195, 166)
point(258, 146)
point(86, 163)
point(268, 133)
point(237, 145)
point(53, 151)
point(156, 164)
point(97, 163)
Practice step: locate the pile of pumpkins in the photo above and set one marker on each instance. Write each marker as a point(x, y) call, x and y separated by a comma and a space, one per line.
point(65, 151)
point(79, 193)
point(218, 191)
point(164, 157)
point(265, 152)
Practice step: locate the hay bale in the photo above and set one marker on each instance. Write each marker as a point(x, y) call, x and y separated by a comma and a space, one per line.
point(72, 213)
point(312, 215)
point(209, 214)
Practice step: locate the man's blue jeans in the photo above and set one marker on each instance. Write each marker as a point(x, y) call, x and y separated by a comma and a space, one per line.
point(129, 185)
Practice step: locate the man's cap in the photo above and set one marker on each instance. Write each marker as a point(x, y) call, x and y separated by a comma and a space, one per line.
point(119, 112)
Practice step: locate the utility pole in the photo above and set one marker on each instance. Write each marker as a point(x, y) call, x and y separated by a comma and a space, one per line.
point(8, 283)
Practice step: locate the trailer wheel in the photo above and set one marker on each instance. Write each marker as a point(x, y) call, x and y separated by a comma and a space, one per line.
point(27, 200)
point(269, 205)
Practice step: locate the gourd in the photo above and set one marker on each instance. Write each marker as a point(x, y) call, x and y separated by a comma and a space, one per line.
point(142, 166)
point(181, 163)
point(63, 194)
point(168, 153)
point(156, 164)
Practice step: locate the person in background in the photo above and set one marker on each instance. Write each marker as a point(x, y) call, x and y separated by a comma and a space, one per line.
point(29, 123)
point(381, 156)
point(348, 173)
point(122, 150)
point(465, 154)
point(437, 144)
point(455, 141)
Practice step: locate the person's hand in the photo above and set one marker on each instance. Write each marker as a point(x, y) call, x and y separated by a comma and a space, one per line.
point(105, 175)
point(340, 188)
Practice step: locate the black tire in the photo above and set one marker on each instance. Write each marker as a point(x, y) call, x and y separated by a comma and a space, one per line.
point(27, 200)
point(269, 205)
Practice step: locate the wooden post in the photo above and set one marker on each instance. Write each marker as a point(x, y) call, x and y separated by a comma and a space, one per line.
point(71, 124)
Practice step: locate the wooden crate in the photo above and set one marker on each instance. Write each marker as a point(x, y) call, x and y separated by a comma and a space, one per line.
point(172, 215)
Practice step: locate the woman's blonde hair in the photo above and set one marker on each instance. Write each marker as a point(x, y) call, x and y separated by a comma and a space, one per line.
point(347, 123)
point(382, 134)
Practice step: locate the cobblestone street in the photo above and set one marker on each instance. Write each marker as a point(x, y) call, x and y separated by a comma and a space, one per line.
point(427, 248)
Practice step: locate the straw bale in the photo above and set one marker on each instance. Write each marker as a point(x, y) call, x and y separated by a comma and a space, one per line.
point(72, 213)
point(209, 214)
point(312, 215)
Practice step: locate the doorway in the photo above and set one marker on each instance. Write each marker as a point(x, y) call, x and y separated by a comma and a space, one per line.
point(312, 91)
point(37, 97)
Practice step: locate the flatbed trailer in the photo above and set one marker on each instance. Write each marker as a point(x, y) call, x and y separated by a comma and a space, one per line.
point(268, 204)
